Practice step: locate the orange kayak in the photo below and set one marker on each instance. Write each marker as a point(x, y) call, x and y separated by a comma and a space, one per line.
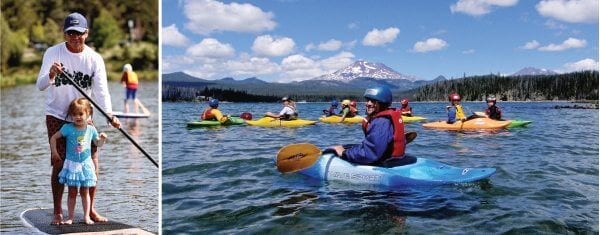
point(473, 124)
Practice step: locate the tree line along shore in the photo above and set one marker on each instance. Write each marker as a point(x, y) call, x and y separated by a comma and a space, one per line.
point(123, 32)
point(575, 86)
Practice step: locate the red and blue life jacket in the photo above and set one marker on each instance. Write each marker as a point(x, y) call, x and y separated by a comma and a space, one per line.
point(399, 142)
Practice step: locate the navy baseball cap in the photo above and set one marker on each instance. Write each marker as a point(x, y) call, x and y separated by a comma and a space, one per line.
point(75, 21)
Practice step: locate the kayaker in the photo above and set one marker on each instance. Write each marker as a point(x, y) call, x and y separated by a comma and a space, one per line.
point(332, 109)
point(348, 110)
point(86, 66)
point(405, 108)
point(383, 128)
point(455, 110)
point(289, 111)
point(213, 112)
point(78, 170)
point(129, 80)
point(493, 111)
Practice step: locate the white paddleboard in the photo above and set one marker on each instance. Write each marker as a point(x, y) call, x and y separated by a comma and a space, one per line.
point(130, 115)
point(40, 220)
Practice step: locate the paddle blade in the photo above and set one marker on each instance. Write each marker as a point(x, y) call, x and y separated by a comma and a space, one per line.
point(410, 136)
point(246, 116)
point(295, 157)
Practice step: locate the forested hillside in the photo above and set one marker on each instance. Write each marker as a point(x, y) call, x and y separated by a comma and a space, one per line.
point(571, 86)
point(122, 31)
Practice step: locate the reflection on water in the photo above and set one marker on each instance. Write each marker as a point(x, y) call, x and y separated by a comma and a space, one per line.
point(224, 180)
point(128, 182)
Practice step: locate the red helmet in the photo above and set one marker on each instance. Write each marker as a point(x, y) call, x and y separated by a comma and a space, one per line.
point(353, 103)
point(454, 97)
point(404, 101)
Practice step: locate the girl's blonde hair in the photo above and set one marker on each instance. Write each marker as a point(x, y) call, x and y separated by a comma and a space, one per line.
point(80, 104)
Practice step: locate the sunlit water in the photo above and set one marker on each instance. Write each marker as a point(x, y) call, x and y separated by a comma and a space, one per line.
point(128, 183)
point(223, 180)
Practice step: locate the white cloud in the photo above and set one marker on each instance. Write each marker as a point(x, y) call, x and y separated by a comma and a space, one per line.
point(567, 44)
point(336, 62)
point(573, 11)
point(431, 44)
point(380, 37)
point(251, 66)
point(211, 48)
point(531, 45)
point(479, 7)
point(298, 67)
point(585, 64)
point(468, 52)
point(207, 16)
point(266, 45)
point(352, 25)
point(331, 45)
point(172, 37)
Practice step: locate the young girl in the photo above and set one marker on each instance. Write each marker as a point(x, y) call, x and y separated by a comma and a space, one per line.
point(78, 169)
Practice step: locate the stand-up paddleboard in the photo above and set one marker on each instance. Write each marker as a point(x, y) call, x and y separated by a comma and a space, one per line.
point(40, 219)
point(144, 114)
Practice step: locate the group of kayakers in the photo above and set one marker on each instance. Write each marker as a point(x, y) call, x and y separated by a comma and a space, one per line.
point(384, 140)
point(456, 113)
point(349, 109)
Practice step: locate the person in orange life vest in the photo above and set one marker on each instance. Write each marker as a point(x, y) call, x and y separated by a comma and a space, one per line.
point(384, 133)
point(493, 111)
point(348, 110)
point(331, 111)
point(129, 79)
point(212, 113)
point(455, 110)
point(405, 108)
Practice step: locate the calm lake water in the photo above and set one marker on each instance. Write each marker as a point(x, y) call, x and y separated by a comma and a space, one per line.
point(128, 184)
point(223, 180)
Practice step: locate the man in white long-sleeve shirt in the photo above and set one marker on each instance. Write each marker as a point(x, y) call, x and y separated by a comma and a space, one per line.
point(86, 67)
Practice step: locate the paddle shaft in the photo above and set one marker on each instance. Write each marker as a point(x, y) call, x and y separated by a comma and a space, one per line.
point(108, 117)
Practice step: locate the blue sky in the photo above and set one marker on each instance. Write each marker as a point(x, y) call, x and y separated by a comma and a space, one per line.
point(294, 40)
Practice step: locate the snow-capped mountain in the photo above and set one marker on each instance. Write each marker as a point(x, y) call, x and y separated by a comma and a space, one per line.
point(365, 69)
point(533, 71)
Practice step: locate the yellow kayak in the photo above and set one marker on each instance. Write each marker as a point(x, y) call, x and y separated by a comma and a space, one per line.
point(413, 118)
point(336, 119)
point(473, 124)
point(274, 122)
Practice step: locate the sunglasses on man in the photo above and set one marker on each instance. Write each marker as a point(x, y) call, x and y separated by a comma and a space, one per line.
point(75, 33)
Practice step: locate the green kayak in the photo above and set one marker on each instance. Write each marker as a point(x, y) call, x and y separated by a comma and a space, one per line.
point(518, 123)
point(204, 123)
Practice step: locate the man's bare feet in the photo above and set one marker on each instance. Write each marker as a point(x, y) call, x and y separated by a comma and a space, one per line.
point(97, 217)
point(89, 221)
point(69, 221)
point(57, 219)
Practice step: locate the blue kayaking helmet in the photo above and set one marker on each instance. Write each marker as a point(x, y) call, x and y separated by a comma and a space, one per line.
point(213, 103)
point(383, 94)
point(334, 103)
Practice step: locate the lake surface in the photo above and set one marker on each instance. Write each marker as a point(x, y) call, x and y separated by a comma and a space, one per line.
point(128, 184)
point(223, 180)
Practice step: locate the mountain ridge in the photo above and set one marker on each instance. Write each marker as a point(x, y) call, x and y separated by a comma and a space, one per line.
point(363, 68)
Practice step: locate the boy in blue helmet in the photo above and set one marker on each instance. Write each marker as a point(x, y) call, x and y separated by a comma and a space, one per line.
point(213, 112)
point(384, 133)
point(332, 109)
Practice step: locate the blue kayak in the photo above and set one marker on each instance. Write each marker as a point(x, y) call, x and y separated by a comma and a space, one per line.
point(422, 172)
